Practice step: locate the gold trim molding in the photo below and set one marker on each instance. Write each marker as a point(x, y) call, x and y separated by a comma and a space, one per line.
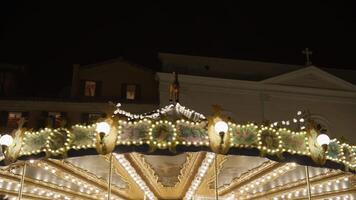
point(192, 163)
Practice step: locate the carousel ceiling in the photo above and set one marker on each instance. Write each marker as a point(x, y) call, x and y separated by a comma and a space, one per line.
point(171, 177)
point(175, 153)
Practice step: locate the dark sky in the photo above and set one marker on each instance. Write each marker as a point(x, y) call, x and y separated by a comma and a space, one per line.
point(59, 34)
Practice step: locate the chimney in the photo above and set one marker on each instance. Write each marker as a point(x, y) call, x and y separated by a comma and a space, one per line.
point(75, 80)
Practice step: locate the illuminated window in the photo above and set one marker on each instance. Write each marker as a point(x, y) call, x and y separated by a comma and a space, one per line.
point(131, 92)
point(89, 89)
point(54, 119)
point(13, 118)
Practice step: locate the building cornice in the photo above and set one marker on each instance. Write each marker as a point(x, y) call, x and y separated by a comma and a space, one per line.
point(229, 86)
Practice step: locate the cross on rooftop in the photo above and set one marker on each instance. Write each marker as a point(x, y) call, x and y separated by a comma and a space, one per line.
point(307, 54)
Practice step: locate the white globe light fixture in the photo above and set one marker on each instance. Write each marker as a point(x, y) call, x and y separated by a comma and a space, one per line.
point(6, 140)
point(323, 140)
point(103, 127)
point(221, 127)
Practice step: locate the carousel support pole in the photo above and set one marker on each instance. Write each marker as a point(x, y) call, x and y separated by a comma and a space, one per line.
point(216, 176)
point(308, 182)
point(110, 177)
point(22, 181)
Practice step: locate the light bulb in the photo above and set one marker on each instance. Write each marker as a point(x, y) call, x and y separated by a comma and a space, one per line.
point(221, 126)
point(103, 127)
point(6, 140)
point(323, 139)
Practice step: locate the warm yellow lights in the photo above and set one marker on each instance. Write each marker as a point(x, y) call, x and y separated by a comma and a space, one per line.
point(160, 130)
point(134, 175)
point(209, 158)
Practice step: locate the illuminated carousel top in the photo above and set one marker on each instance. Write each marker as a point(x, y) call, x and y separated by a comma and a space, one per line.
point(176, 129)
point(168, 155)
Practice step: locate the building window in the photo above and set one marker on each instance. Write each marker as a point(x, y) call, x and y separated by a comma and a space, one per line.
point(54, 119)
point(130, 91)
point(89, 88)
point(13, 118)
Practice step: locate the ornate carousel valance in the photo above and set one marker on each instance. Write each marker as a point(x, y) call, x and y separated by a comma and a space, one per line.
point(175, 129)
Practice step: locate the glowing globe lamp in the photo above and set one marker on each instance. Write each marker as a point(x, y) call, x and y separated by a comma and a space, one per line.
point(6, 140)
point(221, 127)
point(323, 139)
point(103, 127)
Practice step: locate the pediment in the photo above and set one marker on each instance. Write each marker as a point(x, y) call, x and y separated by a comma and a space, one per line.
point(311, 77)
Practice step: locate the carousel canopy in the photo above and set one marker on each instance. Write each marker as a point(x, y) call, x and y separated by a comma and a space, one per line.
point(168, 154)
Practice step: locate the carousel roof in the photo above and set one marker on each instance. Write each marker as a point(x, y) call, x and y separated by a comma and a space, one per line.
point(173, 177)
point(169, 154)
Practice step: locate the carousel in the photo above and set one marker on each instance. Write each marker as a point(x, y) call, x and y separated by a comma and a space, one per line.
point(177, 153)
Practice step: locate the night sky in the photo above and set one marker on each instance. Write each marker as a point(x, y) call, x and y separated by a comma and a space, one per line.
point(59, 34)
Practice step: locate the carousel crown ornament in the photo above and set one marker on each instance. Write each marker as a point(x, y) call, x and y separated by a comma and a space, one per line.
point(174, 89)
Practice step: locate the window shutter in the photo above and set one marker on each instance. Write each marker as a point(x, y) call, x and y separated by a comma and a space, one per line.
point(82, 88)
point(63, 114)
point(42, 122)
point(3, 118)
point(85, 118)
point(25, 115)
point(64, 119)
point(98, 88)
point(123, 90)
point(138, 92)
